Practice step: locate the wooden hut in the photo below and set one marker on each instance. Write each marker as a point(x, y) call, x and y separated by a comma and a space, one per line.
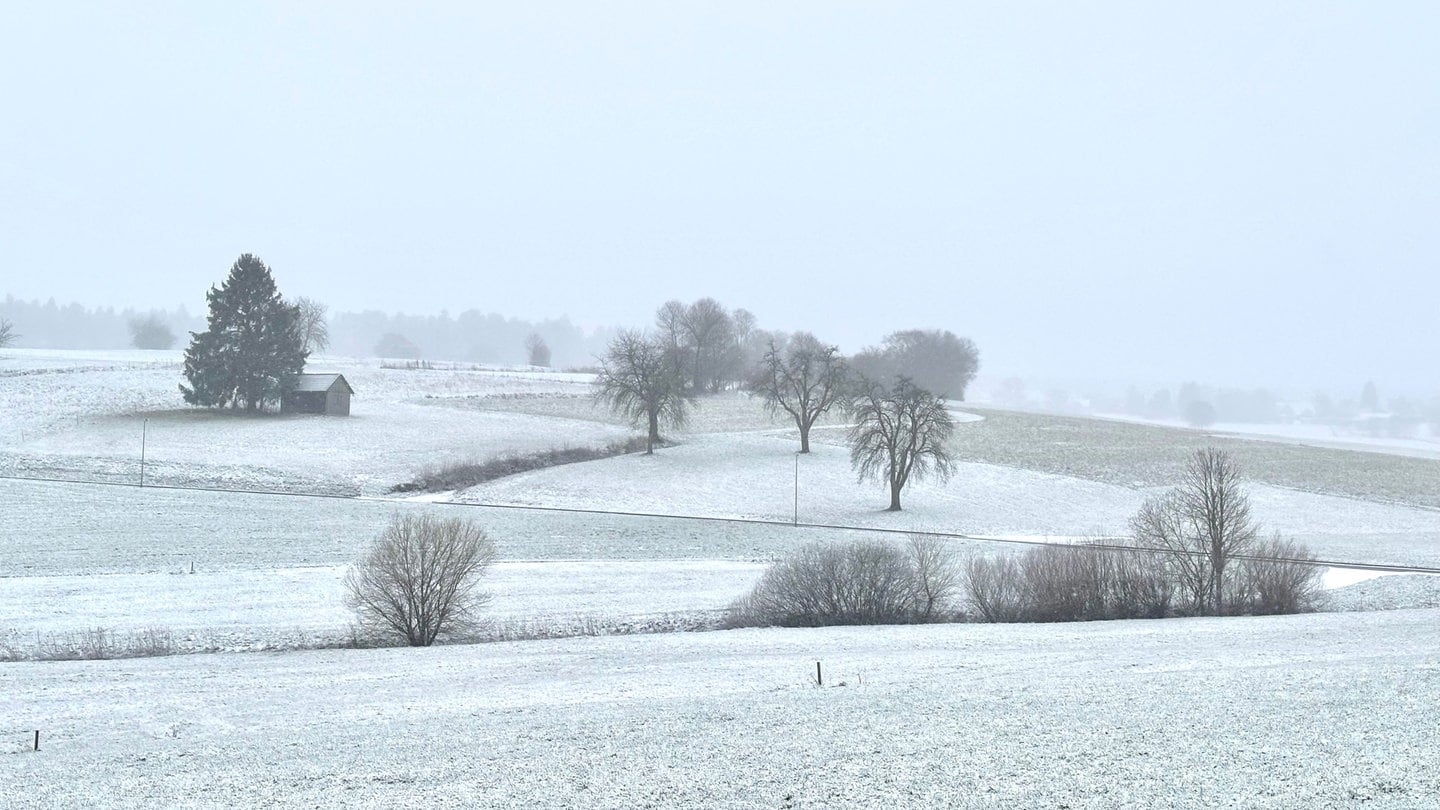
point(318, 393)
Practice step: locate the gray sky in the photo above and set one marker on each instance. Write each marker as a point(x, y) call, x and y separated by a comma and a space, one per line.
point(1231, 192)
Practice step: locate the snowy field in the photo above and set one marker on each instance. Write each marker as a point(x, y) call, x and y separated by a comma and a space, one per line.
point(77, 416)
point(270, 565)
point(1095, 715)
point(1421, 445)
point(1323, 710)
point(293, 608)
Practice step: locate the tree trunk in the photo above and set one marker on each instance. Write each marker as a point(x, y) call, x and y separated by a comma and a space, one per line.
point(654, 435)
point(894, 496)
point(804, 438)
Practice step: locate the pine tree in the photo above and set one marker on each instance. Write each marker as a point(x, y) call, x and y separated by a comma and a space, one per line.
point(252, 347)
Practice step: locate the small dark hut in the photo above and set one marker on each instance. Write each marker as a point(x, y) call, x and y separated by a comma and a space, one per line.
point(318, 393)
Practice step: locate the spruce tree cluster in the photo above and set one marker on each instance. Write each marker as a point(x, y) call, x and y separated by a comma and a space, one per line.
point(252, 348)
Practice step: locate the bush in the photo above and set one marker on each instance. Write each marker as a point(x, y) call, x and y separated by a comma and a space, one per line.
point(993, 588)
point(1277, 579)
point(420, 579)
point(1067, 584)
point(1086, 583)
point(861, 582)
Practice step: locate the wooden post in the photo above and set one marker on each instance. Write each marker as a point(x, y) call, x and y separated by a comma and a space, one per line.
point(818, 680)
point(37, 739)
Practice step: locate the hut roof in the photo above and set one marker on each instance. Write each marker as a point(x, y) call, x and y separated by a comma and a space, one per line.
point(322, 382)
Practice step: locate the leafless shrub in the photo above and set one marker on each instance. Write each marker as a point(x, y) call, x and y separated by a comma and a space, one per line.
point(862, 582)
point(420, 579)
point(1163, 524)
point(152, 642)
point(462, 474)
point(93, 644)
point(1280, 577)
point(992, 586)
point(934, 574)
point(1069, 583)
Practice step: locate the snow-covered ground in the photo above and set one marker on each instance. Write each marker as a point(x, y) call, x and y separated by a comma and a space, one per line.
point(1312, 435)
point(79, 414)
point(83, 415)
point(303, 607)
point(1310, 711)
point(1315, 710)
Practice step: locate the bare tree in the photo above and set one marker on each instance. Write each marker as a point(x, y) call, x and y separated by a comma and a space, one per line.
point(421, 578)
point(701, 336)
point(151, 332)
point(313, 325)
point(1204, 524)
point(804, 378)
point(901, 432)
point(641, 381)
point(537, 351)
point(1219, 513)
point(7, 333)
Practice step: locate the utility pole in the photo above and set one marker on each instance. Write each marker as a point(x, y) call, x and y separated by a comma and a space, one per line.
point(144, 428)
point(796, 520)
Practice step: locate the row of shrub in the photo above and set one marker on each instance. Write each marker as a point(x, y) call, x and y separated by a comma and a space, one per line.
point(454, 475)
point(94, 644)
point(873, 582)
point(1086, 582)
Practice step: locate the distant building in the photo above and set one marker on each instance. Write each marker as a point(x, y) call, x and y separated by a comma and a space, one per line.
point(318, 393)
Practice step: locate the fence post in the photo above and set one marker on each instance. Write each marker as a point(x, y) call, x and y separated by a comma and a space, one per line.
point(818, 680)
point(37, 739)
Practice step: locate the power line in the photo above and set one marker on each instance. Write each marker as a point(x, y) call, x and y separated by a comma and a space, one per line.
point(1095, 544)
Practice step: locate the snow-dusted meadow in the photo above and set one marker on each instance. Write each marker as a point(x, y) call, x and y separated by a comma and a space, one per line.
point(1093, 715)
point(1324, 710)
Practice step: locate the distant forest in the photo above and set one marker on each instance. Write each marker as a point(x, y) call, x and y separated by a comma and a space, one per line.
point(472, 337)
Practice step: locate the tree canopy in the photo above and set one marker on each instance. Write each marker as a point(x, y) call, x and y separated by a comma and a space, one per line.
point(933, 359)
point(252, 348)
point(803, 378)
point(901, 432)
point(641, 380)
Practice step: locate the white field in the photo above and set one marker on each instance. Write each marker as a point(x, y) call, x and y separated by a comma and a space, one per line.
point(1422, 445)
point(84, 418)
point(1326, 710)
point(1319, 710)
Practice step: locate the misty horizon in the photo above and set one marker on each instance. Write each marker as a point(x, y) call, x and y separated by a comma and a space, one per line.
point(1233, 195)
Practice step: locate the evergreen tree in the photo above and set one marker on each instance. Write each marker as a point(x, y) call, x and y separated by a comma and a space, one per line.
point(252, 347)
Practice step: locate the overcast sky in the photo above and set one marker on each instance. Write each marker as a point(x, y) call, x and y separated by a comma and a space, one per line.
point(1230, 192)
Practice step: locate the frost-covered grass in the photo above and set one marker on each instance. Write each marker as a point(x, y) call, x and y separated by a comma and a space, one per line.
point(1422, 444)
point(1309, 711)
point(753, 476)
point(303, 607)
point(65, 529)
point(78, 415)
point(1135, 455)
